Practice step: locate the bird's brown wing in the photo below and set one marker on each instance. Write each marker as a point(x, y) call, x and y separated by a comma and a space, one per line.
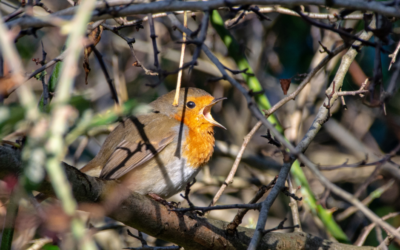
point(132, 143)
point(129, 155)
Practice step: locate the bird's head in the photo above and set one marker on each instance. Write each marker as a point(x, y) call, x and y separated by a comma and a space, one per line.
point(194, 108)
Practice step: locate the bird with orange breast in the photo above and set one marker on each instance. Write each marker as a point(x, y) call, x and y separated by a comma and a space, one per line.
point(159, 152)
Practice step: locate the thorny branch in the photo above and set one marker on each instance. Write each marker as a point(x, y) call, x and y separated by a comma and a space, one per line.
point(107, 76)
point(231, 228)
point(246, 8)
point(375, 194)
point(147, 247)
point(187, 192)
point(255, 206)
point(286, 11)
point(130, 41)
point(280, 227)
point(47, 65)
point(154, 41)
point(163, 6)
point(368, 229)
point(332, 28)
point(45, 94)
point(362, 163)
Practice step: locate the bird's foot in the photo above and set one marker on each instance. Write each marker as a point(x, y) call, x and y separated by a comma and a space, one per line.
point(170, 205)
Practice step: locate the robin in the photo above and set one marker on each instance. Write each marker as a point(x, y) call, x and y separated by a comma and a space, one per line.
point(158, 153)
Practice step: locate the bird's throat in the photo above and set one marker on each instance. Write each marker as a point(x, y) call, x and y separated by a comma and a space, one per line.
point(199, 146)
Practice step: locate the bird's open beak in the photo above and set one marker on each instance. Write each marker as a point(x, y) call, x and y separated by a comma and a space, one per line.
point(207, 112)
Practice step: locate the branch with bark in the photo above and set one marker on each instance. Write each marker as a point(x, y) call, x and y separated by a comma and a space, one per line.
point(151, 217)
point(102, 12)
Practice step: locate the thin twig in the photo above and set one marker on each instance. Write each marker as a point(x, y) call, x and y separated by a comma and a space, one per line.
point(278, 9)
point(130, 41)
point(363, 236)
point(280, 227)
point(154, 41)
point(39, 243)
point(154, 248)
point(394, 55)
point(139, 237)
point(47, 65)
point(187, 192)
point(339, 31)
point(201, 38)
point(44, 7)
point(179, 79)
point(162, 6)
point(374, 195)
point(144, 243)
point(105, 71)
point(379, 238)
point(293, 206)
point(373, 177)
point(220, 207)
point(384, 159)
point(391, 89)
point(325, 49)
point(231, 227)
point(387, 241)
point(235, 165)
point(45, 94)
point(17, 12)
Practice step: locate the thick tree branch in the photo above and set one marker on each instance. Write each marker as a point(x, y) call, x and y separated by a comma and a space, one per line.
point(165, 6)
point(153, 218)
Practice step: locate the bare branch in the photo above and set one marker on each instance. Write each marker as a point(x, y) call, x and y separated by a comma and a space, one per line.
point(231, 228)
point(286, 11)
point(107, 76)
point(154, 41)
point(47, 65)
point(280, 227)
point(165, 6)
point(368, 229)
point(293, 206)
point(235, 166)
point(339, 31)
point(129, 41)
point(394, 55)
point(220, 207)
point(374, 195)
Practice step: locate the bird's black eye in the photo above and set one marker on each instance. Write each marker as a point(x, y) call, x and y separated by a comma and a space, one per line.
point(190, 104)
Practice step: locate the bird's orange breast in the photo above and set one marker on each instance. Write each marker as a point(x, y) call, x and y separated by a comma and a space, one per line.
point(198, 146)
